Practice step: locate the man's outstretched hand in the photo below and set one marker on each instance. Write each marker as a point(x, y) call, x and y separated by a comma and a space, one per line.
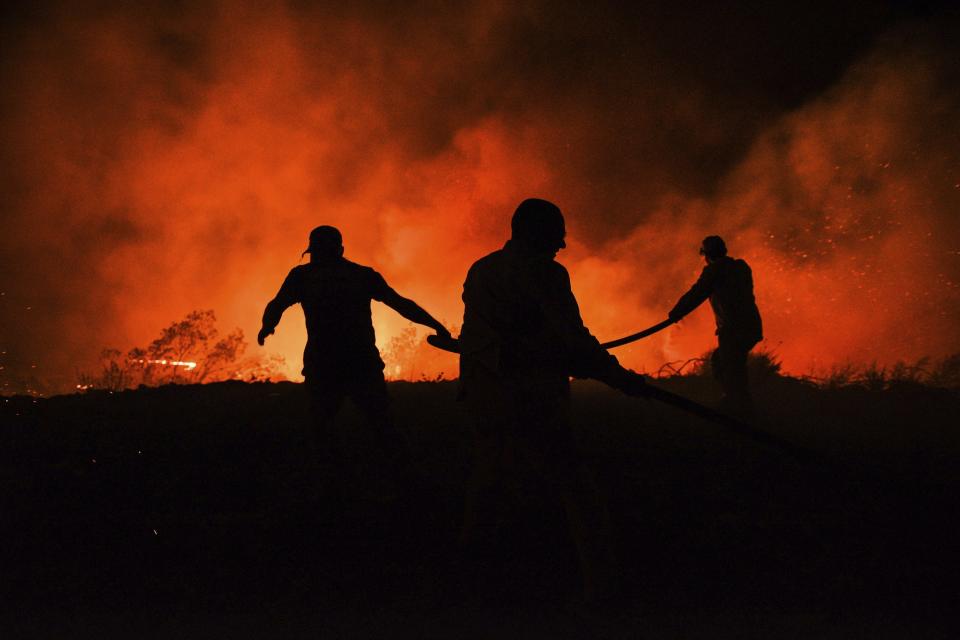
point(443, 340)
point(264, 332)
point(631, 383)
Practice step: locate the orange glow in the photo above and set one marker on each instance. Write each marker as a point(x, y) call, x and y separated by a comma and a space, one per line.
point(845, 207)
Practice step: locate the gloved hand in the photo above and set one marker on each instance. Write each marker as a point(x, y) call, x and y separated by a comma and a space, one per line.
point(264, 332)
point(630, 382)
point(443, 340)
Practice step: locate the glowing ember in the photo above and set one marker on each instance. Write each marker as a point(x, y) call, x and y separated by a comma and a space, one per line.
point(189, 366)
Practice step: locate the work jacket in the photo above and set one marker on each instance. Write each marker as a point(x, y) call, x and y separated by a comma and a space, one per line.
point(521, 321)
point(728, 284)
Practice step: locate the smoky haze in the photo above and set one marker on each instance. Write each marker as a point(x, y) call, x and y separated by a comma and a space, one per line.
point(174, 157)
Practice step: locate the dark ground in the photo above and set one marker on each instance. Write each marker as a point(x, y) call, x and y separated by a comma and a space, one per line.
point(189, 512)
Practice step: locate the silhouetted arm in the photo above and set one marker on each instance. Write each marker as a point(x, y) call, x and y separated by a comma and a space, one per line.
point(697, 294)
point(406, 307)
point(285, 298)
point(587, 358)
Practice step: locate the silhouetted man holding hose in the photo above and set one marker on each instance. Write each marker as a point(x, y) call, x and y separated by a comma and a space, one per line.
point(341, 357)
point(728, 284)
point(521, 341)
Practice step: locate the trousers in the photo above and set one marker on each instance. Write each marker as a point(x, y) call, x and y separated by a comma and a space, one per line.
point(729, 365)
point(522, 435)
point(368, 391)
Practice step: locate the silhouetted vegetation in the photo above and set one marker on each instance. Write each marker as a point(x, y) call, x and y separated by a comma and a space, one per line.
point(765, 364)
point(943, 373)
point(188, 351)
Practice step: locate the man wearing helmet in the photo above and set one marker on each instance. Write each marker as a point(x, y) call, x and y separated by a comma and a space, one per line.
point(728, 284)
point(341, 357)
point(522, 339)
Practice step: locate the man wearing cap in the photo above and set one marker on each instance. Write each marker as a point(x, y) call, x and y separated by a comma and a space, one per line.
point(522, 339)
point(341, 357)
point(728, 283)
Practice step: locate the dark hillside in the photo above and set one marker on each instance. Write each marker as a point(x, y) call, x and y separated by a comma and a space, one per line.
point(192, 511)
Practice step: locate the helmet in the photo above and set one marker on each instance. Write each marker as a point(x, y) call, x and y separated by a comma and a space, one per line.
point(713, 247)
point(538, 224)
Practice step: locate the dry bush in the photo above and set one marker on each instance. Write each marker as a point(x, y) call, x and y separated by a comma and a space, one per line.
point(189, 351)
point(944, 373)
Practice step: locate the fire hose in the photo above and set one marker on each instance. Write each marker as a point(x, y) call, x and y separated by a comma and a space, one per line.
point(633, 337)
point(453, 345)
point(730, 423)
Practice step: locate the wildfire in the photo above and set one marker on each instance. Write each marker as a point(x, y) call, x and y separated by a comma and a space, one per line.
point(189, 366)
point(131, 135)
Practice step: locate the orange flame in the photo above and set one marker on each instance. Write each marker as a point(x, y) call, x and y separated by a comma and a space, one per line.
point(845, 207)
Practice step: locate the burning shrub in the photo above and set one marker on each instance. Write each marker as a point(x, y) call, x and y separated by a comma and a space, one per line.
point(189, 351)
point(409, 357)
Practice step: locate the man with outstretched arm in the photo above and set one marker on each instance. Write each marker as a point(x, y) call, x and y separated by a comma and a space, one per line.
point(522, 339)
point(341, 357)
point(728, 284)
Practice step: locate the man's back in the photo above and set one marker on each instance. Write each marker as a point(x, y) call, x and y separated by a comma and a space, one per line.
point(521, 319)
point(728, 284)
point(522, 338)
point(502, 321)
point(732, 299)
point(341, 359)
point(335, 296)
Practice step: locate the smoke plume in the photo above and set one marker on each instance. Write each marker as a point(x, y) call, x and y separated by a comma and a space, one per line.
point(174, 157)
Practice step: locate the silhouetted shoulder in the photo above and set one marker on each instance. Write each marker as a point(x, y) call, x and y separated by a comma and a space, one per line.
point(557, 271)
point(359, 268)
point(738, 270)
point(489, 260)
point(374, 284)
point(293, 285)
point(710, 270)
point(298, 271)
point(504, 268)
point(550, 279)
point(486, 268)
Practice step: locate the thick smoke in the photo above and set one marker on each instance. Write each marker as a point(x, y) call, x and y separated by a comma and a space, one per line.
point(847, 210)
point(169, 159)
